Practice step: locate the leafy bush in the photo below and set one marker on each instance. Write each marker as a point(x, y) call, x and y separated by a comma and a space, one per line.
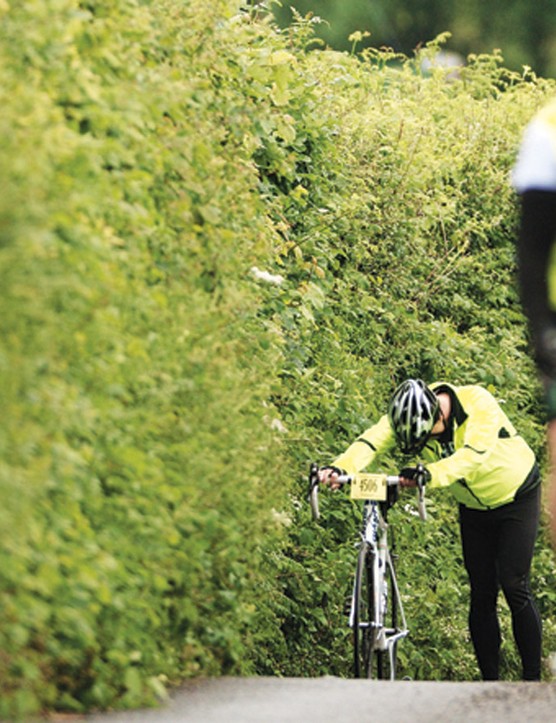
point(218, 253)
point(135, 370)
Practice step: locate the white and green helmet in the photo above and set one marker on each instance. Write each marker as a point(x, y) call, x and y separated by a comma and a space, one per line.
point(413, 411)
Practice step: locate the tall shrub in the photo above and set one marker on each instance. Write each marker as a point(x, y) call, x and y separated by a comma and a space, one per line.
point(137, 441)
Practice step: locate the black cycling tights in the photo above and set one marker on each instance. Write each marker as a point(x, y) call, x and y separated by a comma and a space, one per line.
point(497, 550)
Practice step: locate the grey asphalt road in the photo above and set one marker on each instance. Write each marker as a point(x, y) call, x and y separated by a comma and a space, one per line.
point(335, 700)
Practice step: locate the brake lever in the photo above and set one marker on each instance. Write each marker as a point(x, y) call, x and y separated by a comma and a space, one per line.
point(420, 478)
point(313, 492)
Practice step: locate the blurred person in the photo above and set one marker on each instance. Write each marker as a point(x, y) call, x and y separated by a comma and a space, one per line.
point(534, 178)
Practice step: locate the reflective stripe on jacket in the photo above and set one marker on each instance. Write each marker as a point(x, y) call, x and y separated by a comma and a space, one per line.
point(488, 463)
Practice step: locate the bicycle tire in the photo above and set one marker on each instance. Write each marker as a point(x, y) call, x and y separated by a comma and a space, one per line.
point(364, 633)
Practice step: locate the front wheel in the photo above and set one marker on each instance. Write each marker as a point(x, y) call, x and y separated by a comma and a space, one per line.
point(364, 618)
point(375, 618)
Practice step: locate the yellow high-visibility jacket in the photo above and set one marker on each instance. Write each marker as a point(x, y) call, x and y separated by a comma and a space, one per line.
point(487, 463)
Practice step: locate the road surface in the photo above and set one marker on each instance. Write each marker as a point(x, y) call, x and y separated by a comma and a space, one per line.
point(336, 700)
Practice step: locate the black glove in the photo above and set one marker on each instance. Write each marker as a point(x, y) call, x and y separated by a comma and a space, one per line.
point(414, 472)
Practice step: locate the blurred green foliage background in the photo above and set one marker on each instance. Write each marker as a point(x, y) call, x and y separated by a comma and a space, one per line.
point(525, 32)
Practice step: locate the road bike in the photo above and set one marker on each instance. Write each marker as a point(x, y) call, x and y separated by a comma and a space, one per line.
point(376, 615)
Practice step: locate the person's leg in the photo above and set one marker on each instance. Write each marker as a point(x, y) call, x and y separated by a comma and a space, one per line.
point(479, 555)
point(518, 530)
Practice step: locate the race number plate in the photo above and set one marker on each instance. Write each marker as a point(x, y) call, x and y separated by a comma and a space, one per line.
point(369, 487)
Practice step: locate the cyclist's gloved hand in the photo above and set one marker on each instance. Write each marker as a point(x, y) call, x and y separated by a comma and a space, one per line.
point(329, 475)
point(408, 476)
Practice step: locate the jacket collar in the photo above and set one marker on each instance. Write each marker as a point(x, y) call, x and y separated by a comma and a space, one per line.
point(458, 413)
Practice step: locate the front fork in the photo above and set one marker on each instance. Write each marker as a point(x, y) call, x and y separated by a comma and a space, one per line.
point(380, 590)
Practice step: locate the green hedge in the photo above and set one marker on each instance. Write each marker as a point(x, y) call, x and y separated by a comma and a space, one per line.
point(138, 442)
point(218, 253)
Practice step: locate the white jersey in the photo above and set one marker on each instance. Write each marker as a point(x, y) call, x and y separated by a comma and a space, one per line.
point(535, 168)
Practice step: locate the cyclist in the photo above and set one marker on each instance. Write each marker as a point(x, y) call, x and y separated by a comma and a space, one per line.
point(534, 177)
point(471, 447)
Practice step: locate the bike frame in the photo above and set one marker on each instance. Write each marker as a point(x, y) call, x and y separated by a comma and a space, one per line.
point(374, 534)
point(374, 544)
